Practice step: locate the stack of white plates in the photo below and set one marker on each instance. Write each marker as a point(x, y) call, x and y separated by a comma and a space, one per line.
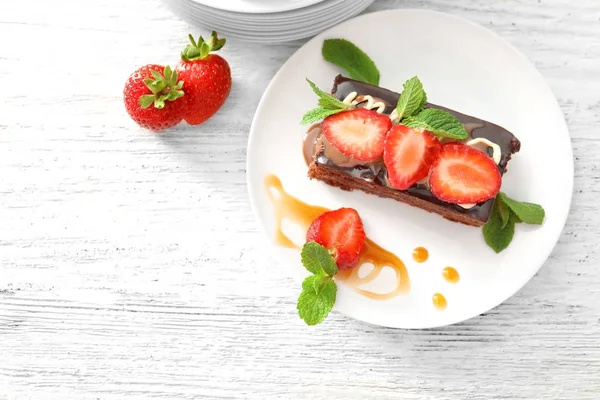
point(266, 21)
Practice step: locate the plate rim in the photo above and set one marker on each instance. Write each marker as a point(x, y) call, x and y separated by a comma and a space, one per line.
point(310, 3)
point(564, 126)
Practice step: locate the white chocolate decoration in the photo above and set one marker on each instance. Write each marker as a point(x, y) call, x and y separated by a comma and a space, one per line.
point(371, 104)
point(497, 152)
point(350, 98)
point(394, 117)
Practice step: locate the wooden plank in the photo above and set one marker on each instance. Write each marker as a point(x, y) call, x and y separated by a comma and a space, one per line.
point(131, 265)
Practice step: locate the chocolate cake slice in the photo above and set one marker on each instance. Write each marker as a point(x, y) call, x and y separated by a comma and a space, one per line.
point(330, 166)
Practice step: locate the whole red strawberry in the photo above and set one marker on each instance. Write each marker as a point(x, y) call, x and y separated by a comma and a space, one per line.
point(207, 78)
point(152, 97)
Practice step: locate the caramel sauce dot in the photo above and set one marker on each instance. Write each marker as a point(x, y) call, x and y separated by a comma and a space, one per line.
point(439, 301)
point(420, 254)
point(451, 275)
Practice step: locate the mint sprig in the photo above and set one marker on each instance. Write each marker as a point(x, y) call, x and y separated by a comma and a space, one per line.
point(318, 290)
point(506, 213)
point(503, 212)
point(528, 213)
point(438, 122)
point(411, 112)
point(328, 105)
point(412, 99)
point(497, 234)
point(317, 260)
point(349, 57)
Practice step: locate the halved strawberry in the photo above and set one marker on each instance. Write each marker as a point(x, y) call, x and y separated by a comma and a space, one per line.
point(342, 233)
point(359, 133)
point(464, 175)
point(408, 155)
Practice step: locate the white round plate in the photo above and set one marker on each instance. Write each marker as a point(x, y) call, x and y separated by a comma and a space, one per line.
point(462, 66)
point(257, 6)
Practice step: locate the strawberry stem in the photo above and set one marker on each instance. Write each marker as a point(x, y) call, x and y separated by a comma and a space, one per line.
point(199, 50)
point(164, 87)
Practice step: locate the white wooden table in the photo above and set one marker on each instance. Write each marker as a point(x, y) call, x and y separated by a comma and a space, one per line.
point(131, 265)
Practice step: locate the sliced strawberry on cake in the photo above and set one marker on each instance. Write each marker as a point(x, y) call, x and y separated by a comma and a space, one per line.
point(358, 133)
point(464, 175)
point(408, 155)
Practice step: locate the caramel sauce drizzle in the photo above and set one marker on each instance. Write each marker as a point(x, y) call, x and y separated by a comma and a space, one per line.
point(287, 206)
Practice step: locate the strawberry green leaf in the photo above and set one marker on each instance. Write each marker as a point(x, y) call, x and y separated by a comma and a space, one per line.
point(174, 95)
point(215, 42)
point(167, 74)
point(155, 86)
point(163, 88)
point(157, 75)
point(199, 50)
point(146, 100)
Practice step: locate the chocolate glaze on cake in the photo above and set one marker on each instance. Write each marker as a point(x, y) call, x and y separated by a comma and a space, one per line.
point(371, 178)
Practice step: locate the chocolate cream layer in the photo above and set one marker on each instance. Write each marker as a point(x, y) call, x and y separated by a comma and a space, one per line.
point(375, 172)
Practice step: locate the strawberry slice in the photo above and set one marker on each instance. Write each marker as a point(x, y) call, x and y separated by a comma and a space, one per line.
point(464, 175)
point(408, 154)
point(342, 233)
point(359, 133)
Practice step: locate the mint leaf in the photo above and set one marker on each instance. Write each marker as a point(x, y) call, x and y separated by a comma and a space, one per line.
point(500, 229)
point(526, 212)
point(316, 115)
point(317, 260)
point(349, 57)
point(412, 99)
point(438, 122)
point(316, 299)
point(326, 100)
point(513, 217)
point(496, 236)
point(328, 105)
point(319, 290)
point(503, 211)
point(320, 284)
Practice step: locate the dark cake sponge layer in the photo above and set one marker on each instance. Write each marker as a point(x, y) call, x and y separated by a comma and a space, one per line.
point(337, 178)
